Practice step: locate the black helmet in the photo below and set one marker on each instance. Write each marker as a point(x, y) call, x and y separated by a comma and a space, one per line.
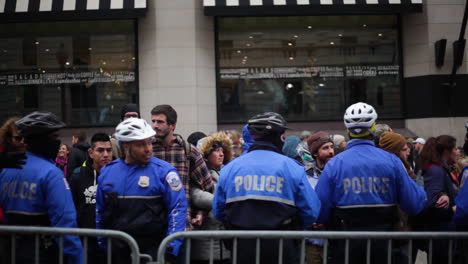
point(38, 123)
point(267, 123)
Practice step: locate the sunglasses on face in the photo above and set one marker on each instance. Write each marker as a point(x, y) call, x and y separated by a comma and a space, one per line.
point(18, 138)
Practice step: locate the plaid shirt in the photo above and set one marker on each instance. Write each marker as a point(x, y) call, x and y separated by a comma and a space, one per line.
point(199, 173)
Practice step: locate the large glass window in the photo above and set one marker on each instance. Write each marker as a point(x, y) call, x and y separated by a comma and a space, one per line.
point(83, 71)
point(307, 68)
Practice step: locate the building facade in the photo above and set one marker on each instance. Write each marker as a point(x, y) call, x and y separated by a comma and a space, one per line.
point(218, 62)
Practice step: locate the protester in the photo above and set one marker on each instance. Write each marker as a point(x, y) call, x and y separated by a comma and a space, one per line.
point(305, 134)
point(321, 147)
point(379, 130)
point(61, 160)
point(45, 198)
point(365, 181)
point(396, 144)
point(127, 111)
point(441, 187)
point(195, 137)
point(10, 140)
point(83, 184)
point(182, 155)
point(236, 139)
point(290, 147)
point(140, 194)
point(265, 190)
point(78, 153)
point(217, 151)
point(339, 143)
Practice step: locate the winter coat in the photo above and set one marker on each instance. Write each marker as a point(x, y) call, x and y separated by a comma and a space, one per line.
point(78, 155)
point(201, 248)
point(438, 181)
point(83, 184)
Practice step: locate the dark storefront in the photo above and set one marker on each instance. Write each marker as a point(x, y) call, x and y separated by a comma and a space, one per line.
point(69, 57)
point(308, 60)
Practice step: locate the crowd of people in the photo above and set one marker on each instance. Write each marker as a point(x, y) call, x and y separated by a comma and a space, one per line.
point(148, 181)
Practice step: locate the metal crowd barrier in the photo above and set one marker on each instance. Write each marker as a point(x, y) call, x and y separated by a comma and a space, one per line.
point(348, 236)
point(84, 233)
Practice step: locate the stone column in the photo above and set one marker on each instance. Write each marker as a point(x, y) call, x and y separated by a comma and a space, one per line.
point(433, 108)
point(177, 63)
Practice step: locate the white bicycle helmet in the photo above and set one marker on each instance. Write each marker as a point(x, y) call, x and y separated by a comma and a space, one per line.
point(360, 115)
point(133, 129)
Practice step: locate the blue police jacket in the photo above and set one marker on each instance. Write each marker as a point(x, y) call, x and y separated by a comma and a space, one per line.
point(367, 176)
point(38, 194)
point(262, 189)
point(460, 217)
point(150, 198)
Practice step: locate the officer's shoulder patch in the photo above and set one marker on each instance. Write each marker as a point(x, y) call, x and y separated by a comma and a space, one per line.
point(174, 181)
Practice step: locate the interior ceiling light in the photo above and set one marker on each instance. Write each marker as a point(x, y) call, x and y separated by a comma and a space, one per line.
point(332, 43)
point(309, 27)
point(238, 51)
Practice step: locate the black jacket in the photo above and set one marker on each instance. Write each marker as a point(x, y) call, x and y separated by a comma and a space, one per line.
point(83, 184)
point(78, 154)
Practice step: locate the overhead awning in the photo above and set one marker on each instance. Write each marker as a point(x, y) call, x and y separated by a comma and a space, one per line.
point(38, 10)
point(308, 7)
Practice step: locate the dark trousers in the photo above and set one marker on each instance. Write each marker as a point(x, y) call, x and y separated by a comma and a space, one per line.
point(25, 252)
point(357, 251)
point(94, 254)
point(269, 251)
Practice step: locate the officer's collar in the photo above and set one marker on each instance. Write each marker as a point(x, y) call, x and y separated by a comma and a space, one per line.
point(355, 142)
point(264, 145)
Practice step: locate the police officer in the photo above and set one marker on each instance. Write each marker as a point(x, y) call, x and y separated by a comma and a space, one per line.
point(140, 194)
point(38, 194)
point(361, 187)
point(265, 190)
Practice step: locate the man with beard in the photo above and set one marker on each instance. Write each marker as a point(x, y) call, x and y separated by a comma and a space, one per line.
point(38, 194)
point(182, 155)
point(321, 148)
point(140, 194)
point(83, 185)
point(174, 149)
point(78, 153)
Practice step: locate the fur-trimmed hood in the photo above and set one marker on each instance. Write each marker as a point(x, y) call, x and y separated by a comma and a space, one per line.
point(219, 138)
